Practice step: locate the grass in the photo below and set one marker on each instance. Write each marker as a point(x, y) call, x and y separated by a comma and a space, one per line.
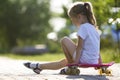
point(110, 55)
point(106, 54)
point(42, 57)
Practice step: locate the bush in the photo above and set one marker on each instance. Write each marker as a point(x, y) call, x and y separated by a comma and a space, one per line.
point(54, 46)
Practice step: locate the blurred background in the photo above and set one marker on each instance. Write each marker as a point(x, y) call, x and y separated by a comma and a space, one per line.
point(35, 27)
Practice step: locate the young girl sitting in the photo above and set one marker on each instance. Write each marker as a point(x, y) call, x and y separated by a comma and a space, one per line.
point(87, 49)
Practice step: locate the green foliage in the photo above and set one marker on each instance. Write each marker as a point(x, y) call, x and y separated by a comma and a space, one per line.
point(23, 22)
point(63, 32)
point(105, 43)
point(109, 54)
point(54, 46)
point(101, 9)
point(65, 15)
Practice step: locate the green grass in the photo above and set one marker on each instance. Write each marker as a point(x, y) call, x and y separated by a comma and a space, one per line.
point(42, 57)
point(110, 55)
point(106, 54)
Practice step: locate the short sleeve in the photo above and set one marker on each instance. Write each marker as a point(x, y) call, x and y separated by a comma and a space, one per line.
point(82, 32)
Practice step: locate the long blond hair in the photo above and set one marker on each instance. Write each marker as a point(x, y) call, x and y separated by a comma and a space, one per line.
point(84, 8)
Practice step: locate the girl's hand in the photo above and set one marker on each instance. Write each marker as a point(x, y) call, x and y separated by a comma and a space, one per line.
point(99, 60)
point(75, 62)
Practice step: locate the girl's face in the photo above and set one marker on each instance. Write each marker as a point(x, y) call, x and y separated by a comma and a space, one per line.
point(78, 20)
point(75, 21)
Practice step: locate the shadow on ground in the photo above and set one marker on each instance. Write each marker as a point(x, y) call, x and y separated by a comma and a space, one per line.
point(88, 77)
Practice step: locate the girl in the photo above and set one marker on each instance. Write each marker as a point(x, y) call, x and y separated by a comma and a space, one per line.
point(87, 49)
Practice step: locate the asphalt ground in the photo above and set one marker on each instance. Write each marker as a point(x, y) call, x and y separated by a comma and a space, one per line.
point(14, 70)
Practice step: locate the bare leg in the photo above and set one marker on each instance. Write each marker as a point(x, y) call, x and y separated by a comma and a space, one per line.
point(37, 68)
point(69, 48)
point(53, 65)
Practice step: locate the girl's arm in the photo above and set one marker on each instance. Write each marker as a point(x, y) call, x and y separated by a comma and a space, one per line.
point(100, 60)
point(78, 49)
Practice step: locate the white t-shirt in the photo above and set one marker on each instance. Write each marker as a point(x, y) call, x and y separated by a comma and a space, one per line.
point(91, 43)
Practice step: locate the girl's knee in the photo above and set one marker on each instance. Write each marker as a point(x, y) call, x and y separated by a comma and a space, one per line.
point(64, 62)
point(64, 39)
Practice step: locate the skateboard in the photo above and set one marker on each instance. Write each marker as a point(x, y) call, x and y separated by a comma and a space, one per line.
point(102, 68)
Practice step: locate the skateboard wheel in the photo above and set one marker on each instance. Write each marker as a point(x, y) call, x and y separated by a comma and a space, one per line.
point(105, 71)
point(77, 72)
point(68, 71)
point(108, 72)
point(72, 71)
point(100, 71)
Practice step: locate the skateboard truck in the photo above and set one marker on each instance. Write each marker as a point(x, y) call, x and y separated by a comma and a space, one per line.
point(105, 70)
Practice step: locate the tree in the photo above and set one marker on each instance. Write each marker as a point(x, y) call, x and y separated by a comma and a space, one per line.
point(23, 21)
point(102, 11)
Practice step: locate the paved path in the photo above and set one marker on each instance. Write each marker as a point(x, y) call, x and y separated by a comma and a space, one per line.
point(14, 70)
